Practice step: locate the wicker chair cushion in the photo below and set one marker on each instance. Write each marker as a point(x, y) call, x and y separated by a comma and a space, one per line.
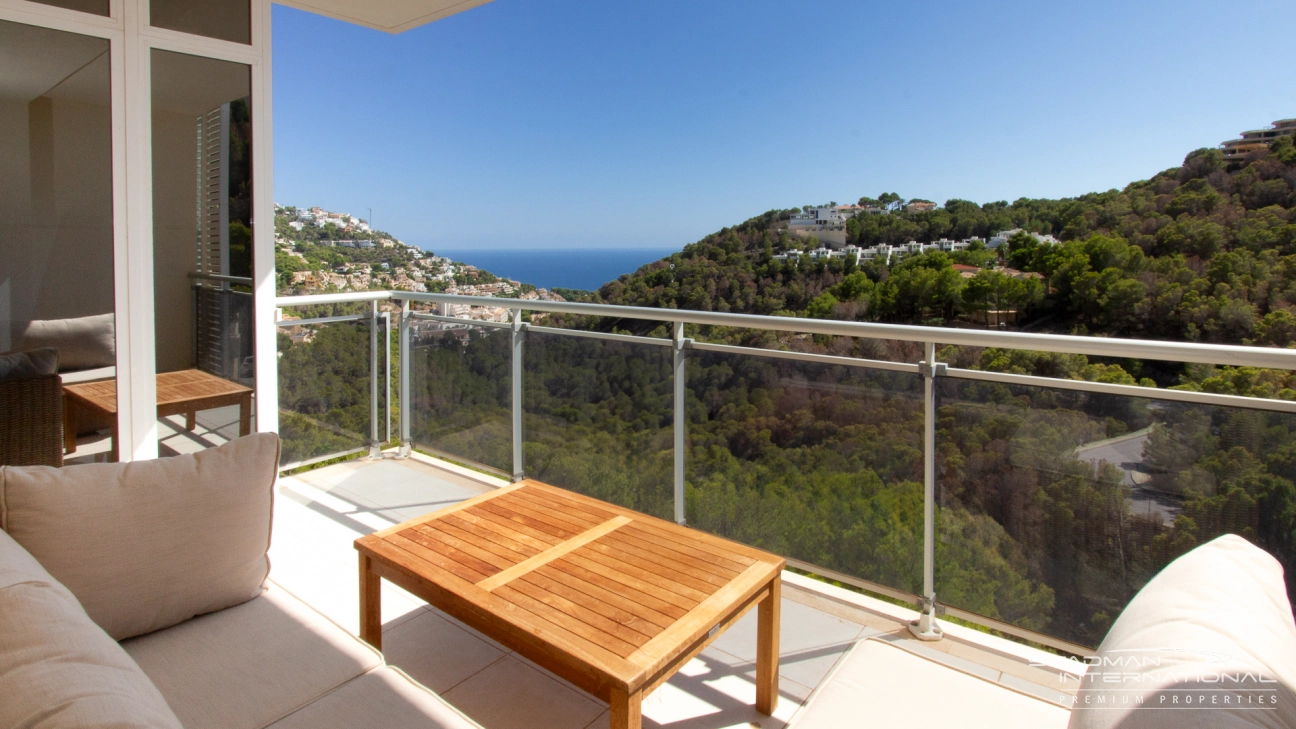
point(25, 365)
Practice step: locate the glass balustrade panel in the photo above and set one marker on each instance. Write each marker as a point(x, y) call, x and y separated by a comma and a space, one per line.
point(819, 463)
point(461, 393)
point(598, 419)
point(324, 389)
point(1055, 506)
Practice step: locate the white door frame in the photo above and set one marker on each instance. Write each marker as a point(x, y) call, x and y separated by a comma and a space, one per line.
point(131, 41)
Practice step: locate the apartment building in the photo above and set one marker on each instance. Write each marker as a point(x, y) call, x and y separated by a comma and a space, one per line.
point(1256, 140)
point(828, 224)
point(1001, 238)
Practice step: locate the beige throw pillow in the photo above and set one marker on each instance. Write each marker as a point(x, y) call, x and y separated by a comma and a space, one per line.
point(57, 668)
point(150, 544)
point(1209, 643)
point(88, 341)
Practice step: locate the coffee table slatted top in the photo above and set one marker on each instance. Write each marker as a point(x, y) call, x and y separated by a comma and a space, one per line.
point(625, 593)
point(173, 388)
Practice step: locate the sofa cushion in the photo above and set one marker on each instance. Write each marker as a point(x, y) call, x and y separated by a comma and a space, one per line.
point(88, 341)
point(17, 566)
point(25, 365)
point(384, 698)
point(149, 544)
point(247, 666)
point(1209, 642)
point(59, 669)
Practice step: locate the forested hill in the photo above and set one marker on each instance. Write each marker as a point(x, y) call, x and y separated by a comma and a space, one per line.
point(1201, 252)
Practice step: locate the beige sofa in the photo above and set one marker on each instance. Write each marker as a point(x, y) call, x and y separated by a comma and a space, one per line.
point(1209, 643)
point(137, 595)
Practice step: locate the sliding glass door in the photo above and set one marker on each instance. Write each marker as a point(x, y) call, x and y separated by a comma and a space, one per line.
point(57, 285)
point(134, 163)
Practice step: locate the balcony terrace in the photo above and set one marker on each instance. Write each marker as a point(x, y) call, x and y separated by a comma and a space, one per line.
point(956, 531)
point(388, 415)
point(1037, 506)
point(850, 651)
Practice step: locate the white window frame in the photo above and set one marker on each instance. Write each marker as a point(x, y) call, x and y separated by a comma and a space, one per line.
point(131, 41)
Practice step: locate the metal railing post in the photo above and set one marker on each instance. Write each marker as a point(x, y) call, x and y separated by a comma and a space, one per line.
point(517, 395)
point(387, 342)
point(375, 448)
point(925, 627)
point(407, 443)
point(678, 410)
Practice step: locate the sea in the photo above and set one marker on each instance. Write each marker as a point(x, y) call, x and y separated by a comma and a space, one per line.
point(568, 268)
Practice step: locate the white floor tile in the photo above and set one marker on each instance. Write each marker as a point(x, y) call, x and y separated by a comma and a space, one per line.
point(901, 689)
point(810, 641)
point(472, 631)
point(435, 652)
point(510, 694)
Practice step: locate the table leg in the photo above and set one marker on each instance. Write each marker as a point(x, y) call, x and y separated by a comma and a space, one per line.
point(245, 416)
point(370, 604)
point(767, 648)
point(191, 420)
point(113, 456)
point(69, 426)
point(627, 710)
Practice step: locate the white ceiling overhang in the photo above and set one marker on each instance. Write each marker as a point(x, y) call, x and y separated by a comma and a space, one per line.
point(392, 16)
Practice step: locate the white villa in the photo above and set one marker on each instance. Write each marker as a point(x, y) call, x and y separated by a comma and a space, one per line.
point(1002, 237)
point(825, 223)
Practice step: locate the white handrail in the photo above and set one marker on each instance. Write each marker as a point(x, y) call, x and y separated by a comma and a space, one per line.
point(1218, 354)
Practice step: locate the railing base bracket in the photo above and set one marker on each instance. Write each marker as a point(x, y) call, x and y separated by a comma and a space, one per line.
point(925, 628)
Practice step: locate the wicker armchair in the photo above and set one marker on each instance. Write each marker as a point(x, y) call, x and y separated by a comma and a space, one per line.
point(31, 421)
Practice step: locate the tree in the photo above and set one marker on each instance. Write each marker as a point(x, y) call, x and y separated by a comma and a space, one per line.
point(890, 200)
point(822, 306)
point(1021, 250)
point(988, 291)
point(1277, 328)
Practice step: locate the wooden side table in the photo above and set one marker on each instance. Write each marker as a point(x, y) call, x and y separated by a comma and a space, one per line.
point(610, 599)
point(184, 392)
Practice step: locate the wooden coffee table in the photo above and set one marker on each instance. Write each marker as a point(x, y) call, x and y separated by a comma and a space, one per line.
point(185, 392)
point(610, 599)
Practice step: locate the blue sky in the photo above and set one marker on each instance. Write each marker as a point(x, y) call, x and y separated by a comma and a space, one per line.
point(539, 123)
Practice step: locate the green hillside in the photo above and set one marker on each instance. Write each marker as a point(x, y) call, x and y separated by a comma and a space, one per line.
point(1201, 252)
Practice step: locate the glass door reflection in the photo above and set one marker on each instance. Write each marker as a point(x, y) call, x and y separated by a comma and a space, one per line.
point(57, 295)
point(202, 249)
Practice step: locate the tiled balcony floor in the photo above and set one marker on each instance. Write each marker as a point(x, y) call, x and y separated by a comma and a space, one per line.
point(318, 514)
